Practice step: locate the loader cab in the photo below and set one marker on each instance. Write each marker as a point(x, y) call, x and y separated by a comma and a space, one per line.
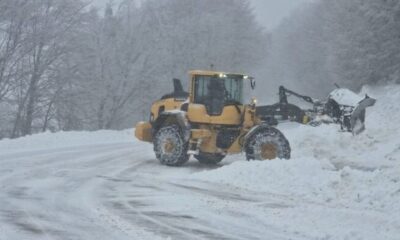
point(216, 97)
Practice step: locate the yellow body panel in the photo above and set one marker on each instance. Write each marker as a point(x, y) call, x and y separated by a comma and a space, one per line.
point(160, 106)
point(237, 145)
point(197, 113)
point(209, 144)
point(200, 133)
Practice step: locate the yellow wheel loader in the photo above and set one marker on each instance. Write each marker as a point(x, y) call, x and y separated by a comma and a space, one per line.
point(209, 122)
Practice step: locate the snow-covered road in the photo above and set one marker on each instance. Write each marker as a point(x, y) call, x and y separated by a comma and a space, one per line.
point(57, 194)
point(106, 185)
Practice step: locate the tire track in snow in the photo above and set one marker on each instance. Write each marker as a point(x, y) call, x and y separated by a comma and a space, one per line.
point(134, 199)
point(51, 182)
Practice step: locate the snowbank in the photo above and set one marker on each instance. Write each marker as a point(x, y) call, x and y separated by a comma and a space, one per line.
point(48, 140)
point(329, 166)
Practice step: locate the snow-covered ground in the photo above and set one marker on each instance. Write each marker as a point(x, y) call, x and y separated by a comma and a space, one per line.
point(107, 185)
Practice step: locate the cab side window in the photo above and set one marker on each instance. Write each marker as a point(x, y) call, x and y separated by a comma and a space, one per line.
point(201, 89)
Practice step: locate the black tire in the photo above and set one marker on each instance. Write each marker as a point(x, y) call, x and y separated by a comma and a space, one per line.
point(267, 143)
point(170, 146)
point(209, 158)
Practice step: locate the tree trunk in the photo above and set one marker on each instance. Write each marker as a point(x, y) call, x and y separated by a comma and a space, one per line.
point(47, 117)
point(100, 115)
point(30, 108)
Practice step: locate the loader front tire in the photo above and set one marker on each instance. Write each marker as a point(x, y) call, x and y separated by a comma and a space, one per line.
point(170, 146)
point(209, 158)
point(267, 144)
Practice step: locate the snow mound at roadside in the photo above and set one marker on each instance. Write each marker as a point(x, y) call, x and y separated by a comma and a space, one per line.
point(329, 166)
point(301, 177)
point(309, 179)
point(48, 140)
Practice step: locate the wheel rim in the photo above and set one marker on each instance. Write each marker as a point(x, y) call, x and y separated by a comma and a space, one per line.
point(168, 146)
point(269, 151)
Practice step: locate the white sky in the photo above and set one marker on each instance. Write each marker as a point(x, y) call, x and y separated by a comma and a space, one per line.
point(268, 12)
point(271, 12)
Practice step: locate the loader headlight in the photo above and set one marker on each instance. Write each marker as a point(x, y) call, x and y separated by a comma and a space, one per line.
point(222, 75)
point(245, 77)
point(254, 101)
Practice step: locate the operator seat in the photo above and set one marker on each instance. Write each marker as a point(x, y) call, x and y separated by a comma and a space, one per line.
point(215, 100)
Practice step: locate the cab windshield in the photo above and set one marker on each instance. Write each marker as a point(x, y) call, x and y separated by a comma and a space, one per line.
point(228, 89)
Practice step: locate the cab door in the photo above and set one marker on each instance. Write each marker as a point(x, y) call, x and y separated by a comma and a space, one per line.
point(215, 101)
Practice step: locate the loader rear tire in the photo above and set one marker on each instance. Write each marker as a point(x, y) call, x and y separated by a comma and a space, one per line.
point(267, 144)
point(170, 146)
point(209, 158)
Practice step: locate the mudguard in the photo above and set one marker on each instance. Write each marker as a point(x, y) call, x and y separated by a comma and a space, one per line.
point(173, 118)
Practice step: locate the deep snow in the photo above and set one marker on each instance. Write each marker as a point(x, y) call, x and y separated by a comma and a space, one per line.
point(107, 185)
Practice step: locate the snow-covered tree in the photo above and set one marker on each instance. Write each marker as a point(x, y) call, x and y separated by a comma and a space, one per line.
point(349, 42)
point(66, 66)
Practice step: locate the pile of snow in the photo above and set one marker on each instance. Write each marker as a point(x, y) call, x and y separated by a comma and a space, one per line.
point(329, 166)
point(308, 179)
point(48, 140)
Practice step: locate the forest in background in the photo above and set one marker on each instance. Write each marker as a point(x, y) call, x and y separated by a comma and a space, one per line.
point(65, 65)
point(348, 42)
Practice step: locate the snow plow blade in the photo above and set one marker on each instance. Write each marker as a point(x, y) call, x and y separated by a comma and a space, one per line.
point(342, 106)
point(357, 119)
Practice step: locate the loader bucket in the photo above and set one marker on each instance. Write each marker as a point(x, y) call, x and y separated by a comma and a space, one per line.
point(357, 119)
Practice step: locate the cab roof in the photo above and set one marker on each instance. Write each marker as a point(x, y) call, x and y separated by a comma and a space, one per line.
point(212, 73)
